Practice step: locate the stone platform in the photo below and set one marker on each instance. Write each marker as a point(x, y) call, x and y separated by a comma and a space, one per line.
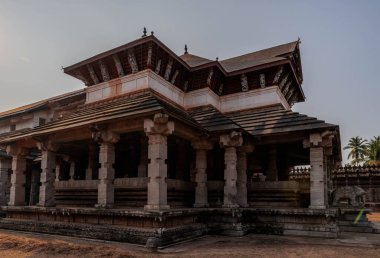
point(162, 228)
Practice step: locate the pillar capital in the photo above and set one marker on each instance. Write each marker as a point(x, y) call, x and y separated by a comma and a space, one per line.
point(104, 135)
point(15, 150)
point(233, 139)
point(323, 139)
point(202, 143)
point(47, 145)
point(159, 125)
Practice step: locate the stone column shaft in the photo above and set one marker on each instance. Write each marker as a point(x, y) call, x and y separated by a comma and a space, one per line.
point(143, 166)
point(17, 192)
point(47, 189)
point(5, 165)
point(317, 179)
point(157, 172)
point(57, 172)
point(230, 177)
point(230, 143)
point(201, 198)
point(91, 161)
point(242, 179)
point(106, 175)
point(72, 170)
point(157, 131)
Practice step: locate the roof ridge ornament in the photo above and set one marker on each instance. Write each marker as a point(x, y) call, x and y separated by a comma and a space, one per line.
point(186, 49)
point(144, 32)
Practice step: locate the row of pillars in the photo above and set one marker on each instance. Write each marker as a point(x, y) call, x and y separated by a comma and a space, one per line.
point(157, 130)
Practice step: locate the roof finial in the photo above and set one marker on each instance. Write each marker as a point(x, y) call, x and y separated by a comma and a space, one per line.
point(186, 49)
point(217, 59)
point(144, 33)
point(152, 33)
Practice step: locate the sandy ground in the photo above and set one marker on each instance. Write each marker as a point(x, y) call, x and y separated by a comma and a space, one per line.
point(21, 244)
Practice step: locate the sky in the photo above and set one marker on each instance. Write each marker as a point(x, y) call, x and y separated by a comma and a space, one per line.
point(339, 50)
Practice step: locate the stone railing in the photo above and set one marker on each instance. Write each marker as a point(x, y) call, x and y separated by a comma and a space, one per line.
point(77, 184)
point(176, 184)
point(132, 182)
point(356, 171)
point(299, 174)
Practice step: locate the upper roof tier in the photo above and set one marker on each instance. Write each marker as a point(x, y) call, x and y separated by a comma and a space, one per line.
point(273, 66)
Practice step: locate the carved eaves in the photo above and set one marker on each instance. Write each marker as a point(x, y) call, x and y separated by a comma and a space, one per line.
point(104, 71)
point(93, 76)
point(244, 82)
point(168, 69)
point(132, 61)
point(118, 65)
point(262, 80)
point(278, 75)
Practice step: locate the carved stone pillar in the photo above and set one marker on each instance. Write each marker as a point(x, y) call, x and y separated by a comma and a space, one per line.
point(242, 174)
point(230, 142)
point(318, 173)
point(92, 163)
point(106, 193)
point(272, 172)
point(48, 158)
point(57, 172)
point(157, 131)
point(17, 192)
point(72, 170)
point(143, 166)
point(5, 165)
point(201, 147)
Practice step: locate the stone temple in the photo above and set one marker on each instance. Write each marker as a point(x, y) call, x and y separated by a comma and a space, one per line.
point(158, 148)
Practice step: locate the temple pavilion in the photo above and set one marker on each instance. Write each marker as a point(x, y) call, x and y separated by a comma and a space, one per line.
point(157, 140)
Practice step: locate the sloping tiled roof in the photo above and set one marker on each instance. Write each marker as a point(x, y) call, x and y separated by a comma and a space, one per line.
point(193, 60)
point(212, 120)
point(264, 56)
point(275, 120)
point(127, 106)
point(39, 104)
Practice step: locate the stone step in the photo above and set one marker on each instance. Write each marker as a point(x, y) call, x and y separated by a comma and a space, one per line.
point(352, 223)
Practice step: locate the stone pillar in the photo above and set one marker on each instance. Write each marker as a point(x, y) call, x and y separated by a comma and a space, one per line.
point(272, 172)
point(230, 142)
point(318, 191)
point(5, 166)
point(157, 131)
point(92, 163)
point(17, 192)
point(72, 170)
point(106, 193)
point(242, 174)
point(57, 172)
point(201, 147)
point(48, 163)
point(143, 166)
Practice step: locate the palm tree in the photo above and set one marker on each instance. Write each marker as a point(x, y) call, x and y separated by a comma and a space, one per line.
point(357, 148)
point(372, 151)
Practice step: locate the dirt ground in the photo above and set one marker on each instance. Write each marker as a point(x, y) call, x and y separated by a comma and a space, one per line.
point(21, 244)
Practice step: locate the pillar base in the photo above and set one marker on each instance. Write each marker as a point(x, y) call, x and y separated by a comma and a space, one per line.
point(201, 205)
point(156, 207)
point(230, 206)
point(317, 207)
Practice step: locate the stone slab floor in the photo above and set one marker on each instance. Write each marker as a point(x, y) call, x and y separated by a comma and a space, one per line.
point(20, 244)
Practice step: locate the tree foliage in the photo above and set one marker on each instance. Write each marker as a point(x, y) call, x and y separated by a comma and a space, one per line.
point(363, 151)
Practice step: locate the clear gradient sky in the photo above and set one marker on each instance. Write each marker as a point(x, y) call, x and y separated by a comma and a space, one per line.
point(340, 47)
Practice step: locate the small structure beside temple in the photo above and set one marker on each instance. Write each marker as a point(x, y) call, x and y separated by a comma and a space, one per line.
point(161, 148)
